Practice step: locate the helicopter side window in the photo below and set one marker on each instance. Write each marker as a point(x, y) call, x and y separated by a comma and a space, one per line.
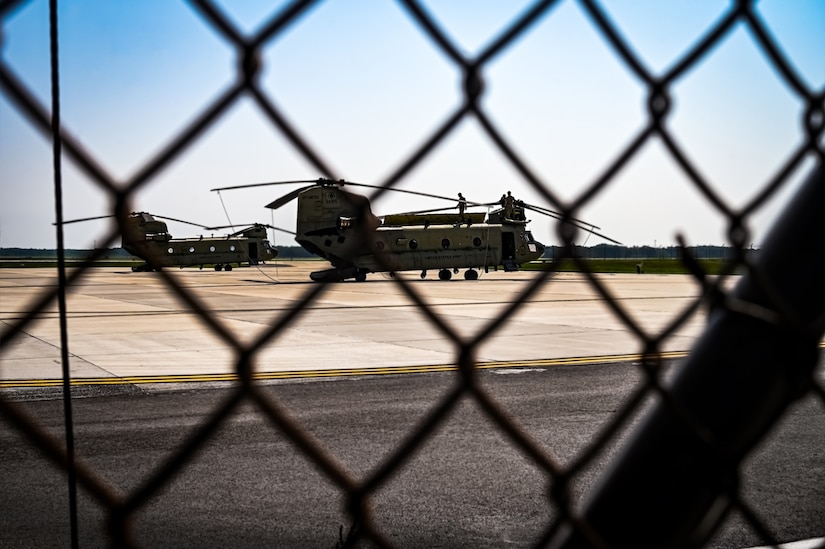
point(231, 247)
point(445, 243)
point(212, 249)
point(379, 245)
point(345, 222)
point(191, 249)
point(170, 250)
point(477, 242)
point(413, 244)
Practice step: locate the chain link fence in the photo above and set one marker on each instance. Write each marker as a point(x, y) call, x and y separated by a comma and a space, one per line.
point(770, 316)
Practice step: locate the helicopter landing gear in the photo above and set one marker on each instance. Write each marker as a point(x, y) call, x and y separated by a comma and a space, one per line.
point(218, 267)
point(423, 274)
point(227, 267)
point(471, 274)
point(445, 274)
point(360, 276)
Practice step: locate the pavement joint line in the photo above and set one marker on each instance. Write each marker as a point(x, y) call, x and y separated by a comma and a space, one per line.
point(342, 372)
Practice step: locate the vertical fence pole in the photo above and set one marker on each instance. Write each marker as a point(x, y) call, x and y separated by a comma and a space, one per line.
point(671, 482)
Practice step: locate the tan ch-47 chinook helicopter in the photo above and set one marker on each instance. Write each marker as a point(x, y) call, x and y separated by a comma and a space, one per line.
point(339, 226)
point(148, 238)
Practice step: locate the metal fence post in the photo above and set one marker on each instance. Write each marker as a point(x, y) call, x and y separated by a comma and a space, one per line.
point(678, 471)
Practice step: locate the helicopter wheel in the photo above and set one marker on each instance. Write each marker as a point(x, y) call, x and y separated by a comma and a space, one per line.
point(444, 274)
point(360, 276)
point(471, 274)
point(218, 267)
point(227, 267)
point(423, 274)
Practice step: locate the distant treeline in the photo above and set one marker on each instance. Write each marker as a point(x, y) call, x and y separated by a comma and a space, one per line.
point(599, 251)
point(286, 252)
point(611, 251)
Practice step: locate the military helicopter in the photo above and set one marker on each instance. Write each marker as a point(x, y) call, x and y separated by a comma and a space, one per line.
point(148, 238)
point(339, 226)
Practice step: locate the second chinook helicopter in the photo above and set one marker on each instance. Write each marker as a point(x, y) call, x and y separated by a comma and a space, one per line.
point(339, 226)
point(147, 237)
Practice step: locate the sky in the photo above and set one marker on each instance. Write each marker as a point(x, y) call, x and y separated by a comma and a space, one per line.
point(365, 87)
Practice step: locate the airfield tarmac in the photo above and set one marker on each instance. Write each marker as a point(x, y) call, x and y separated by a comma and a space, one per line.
point(129, 325)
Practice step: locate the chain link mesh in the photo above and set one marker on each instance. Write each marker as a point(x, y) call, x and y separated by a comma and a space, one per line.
point(358, 491)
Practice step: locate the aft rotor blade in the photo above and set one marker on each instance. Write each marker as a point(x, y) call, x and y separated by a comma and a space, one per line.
point(86, 219)
point(557, 215)
point(432, 210)
point(604, 237)
point(583, 225)
point(180, 221)
point(249, 226)
point(417, 193)
point(270, 183)
point(288, 197)
point(287, 231)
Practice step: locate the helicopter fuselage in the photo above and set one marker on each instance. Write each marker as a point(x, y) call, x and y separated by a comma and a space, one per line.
point(147, 238)
point(340, 227)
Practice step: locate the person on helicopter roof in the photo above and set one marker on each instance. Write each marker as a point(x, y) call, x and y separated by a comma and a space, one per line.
point(509, 202)
point(462, 205)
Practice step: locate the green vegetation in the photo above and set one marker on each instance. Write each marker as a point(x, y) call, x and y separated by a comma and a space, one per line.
point(600, 259)
point(646, 266)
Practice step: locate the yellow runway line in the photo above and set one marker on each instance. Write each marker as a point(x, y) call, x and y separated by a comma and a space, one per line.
point(342, 372)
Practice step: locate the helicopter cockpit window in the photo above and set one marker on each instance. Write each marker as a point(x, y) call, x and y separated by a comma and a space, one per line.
point(529, 236)
point(345, 222)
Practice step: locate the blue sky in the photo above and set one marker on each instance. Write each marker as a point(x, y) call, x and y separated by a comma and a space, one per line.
point(365, 87)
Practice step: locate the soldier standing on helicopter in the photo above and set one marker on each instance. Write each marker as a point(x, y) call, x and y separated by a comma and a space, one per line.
point(462, 205)
point(508, 206)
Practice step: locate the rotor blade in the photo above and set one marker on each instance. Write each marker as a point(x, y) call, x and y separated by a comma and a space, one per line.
point(339, 182)
point(179, 221)
point(288, 197)
point(432, 210)
point(249, 226)
point(86, 219)
point(558, 215)
point(417, 193)
point(287, 231)
point(616, 242)
point(583, 225)
point(270, 183)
